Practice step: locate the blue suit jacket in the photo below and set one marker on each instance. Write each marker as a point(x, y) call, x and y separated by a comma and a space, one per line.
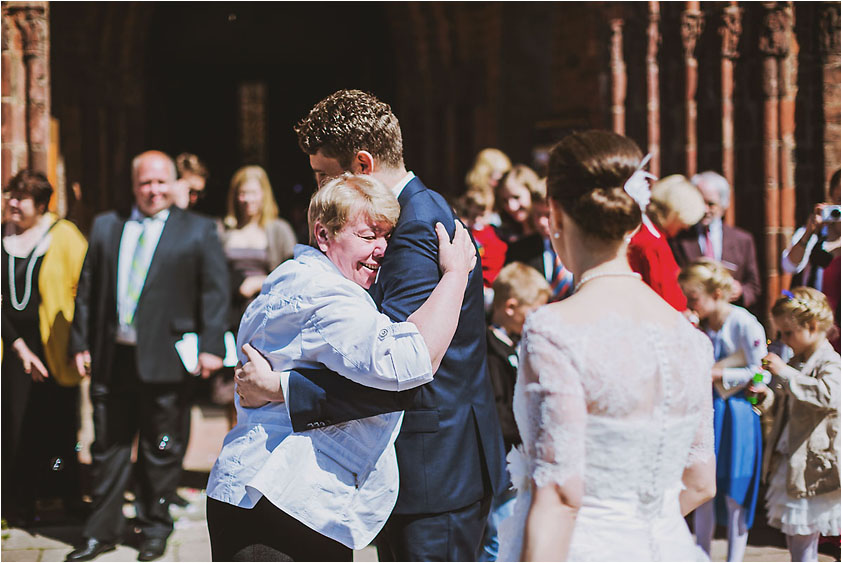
point(450, 449)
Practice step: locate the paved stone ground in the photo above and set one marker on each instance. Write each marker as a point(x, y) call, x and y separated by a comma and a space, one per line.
point(52, 541)
point(189, 542)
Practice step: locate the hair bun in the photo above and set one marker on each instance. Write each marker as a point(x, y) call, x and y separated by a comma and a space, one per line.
point(587, 171)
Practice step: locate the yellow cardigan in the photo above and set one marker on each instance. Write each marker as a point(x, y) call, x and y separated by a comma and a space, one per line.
point(57, 283)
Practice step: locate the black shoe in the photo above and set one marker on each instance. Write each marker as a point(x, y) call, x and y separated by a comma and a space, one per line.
point(91, 548)
point(151, 549)
point(179, 500)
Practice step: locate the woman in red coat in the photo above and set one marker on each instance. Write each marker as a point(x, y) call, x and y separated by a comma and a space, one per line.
point(675, 205)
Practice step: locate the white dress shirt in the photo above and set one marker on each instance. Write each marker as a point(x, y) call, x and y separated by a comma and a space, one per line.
point(398, 188)
point(790, 268)
point(154, 226)
point(341, 480)
point(549, 260)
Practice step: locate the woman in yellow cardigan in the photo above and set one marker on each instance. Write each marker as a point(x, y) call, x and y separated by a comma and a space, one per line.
point(41, 260)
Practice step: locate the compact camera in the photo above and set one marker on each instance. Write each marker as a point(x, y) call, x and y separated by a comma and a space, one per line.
point(831, 213)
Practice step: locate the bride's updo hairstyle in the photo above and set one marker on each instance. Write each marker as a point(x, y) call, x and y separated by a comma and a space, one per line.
point(586, 174)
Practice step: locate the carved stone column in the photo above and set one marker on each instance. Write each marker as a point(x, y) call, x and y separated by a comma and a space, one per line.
point(730, 29)
point(31, 19)
point(653, 89)
point(692, 23)
point(788, 85)
point(774, 44)
point(830, 51)
point(14, 153)
point(618, 78)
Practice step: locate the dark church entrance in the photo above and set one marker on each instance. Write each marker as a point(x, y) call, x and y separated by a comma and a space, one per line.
point(224, 80)
point(229, 80)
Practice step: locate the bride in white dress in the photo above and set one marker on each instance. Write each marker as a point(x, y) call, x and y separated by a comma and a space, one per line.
point(613, 396)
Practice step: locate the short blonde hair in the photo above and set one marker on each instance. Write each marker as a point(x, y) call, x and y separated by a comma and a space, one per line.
point(805, 305)
point(675, 194)
point(521, 282)
point(487, 162)
point(348, 195)
point(709, 274)
point(269, 211)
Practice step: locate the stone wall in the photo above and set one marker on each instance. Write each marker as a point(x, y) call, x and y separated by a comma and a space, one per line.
point(25, 87)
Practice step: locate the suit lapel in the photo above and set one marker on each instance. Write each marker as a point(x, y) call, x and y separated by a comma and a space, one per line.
point(115, 238)
point(169, 237)
point(691, 247)
point(729, 249)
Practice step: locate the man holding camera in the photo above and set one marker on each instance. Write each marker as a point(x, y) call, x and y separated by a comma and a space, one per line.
point(815, 244)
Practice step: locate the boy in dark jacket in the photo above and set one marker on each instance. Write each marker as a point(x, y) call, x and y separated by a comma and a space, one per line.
point(518, 290)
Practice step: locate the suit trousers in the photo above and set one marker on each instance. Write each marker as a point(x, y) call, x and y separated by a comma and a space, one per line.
point(448, 536)
point(123, 408)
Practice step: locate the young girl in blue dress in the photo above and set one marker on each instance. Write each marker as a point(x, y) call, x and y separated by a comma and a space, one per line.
point(739, 345)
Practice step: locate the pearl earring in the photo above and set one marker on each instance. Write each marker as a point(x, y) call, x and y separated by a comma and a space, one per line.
point(556, 235)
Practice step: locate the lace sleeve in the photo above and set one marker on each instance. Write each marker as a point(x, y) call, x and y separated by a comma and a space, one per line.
point(557, 410)
point(701, 401)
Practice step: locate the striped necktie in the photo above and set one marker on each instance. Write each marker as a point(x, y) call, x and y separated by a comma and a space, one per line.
point(561, 280)
point(137, 274)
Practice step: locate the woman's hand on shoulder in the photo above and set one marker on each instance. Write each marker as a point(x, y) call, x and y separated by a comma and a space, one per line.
point(459, 254)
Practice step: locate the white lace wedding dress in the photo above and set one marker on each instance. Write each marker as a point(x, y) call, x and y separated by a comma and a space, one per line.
point(625, 406)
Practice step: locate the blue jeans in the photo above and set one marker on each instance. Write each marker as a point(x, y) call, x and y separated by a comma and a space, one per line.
point(502, 506)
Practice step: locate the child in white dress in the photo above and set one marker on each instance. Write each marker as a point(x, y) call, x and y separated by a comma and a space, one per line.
point(739, 345)
point(802, 463)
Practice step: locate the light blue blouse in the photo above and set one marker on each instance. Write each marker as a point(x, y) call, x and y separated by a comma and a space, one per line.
point(342, 480)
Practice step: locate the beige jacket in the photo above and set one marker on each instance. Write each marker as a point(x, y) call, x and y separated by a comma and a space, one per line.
point(806, 399)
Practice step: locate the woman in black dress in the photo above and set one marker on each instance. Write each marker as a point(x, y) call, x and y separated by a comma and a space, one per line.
point(41, 260)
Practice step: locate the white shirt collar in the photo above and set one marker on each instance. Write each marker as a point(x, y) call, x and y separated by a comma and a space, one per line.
point(398, 188)
point(136, 215)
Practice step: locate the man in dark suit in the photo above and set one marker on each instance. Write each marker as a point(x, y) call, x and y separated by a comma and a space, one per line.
point(711, 237)
point(150, 275)
point(450, 449)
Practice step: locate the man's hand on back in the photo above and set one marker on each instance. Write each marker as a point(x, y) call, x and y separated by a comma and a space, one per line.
point(256, 383)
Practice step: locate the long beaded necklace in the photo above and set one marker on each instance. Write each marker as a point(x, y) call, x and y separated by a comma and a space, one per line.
point(30, 268)
point(27, 290)
point(588, 277)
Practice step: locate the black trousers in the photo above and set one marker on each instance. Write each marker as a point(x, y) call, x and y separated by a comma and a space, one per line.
point(125, 407)
point(447, 536)
point(266, 533)
point(39, 425)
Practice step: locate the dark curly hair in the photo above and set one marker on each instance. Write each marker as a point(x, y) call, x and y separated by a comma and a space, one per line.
point(585, 177)
point(349, 121)
point(30, 183)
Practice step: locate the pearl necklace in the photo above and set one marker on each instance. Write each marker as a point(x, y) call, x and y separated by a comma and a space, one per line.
point(588, 277)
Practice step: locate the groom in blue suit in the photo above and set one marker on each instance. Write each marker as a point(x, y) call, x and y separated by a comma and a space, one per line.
point(450, 448)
